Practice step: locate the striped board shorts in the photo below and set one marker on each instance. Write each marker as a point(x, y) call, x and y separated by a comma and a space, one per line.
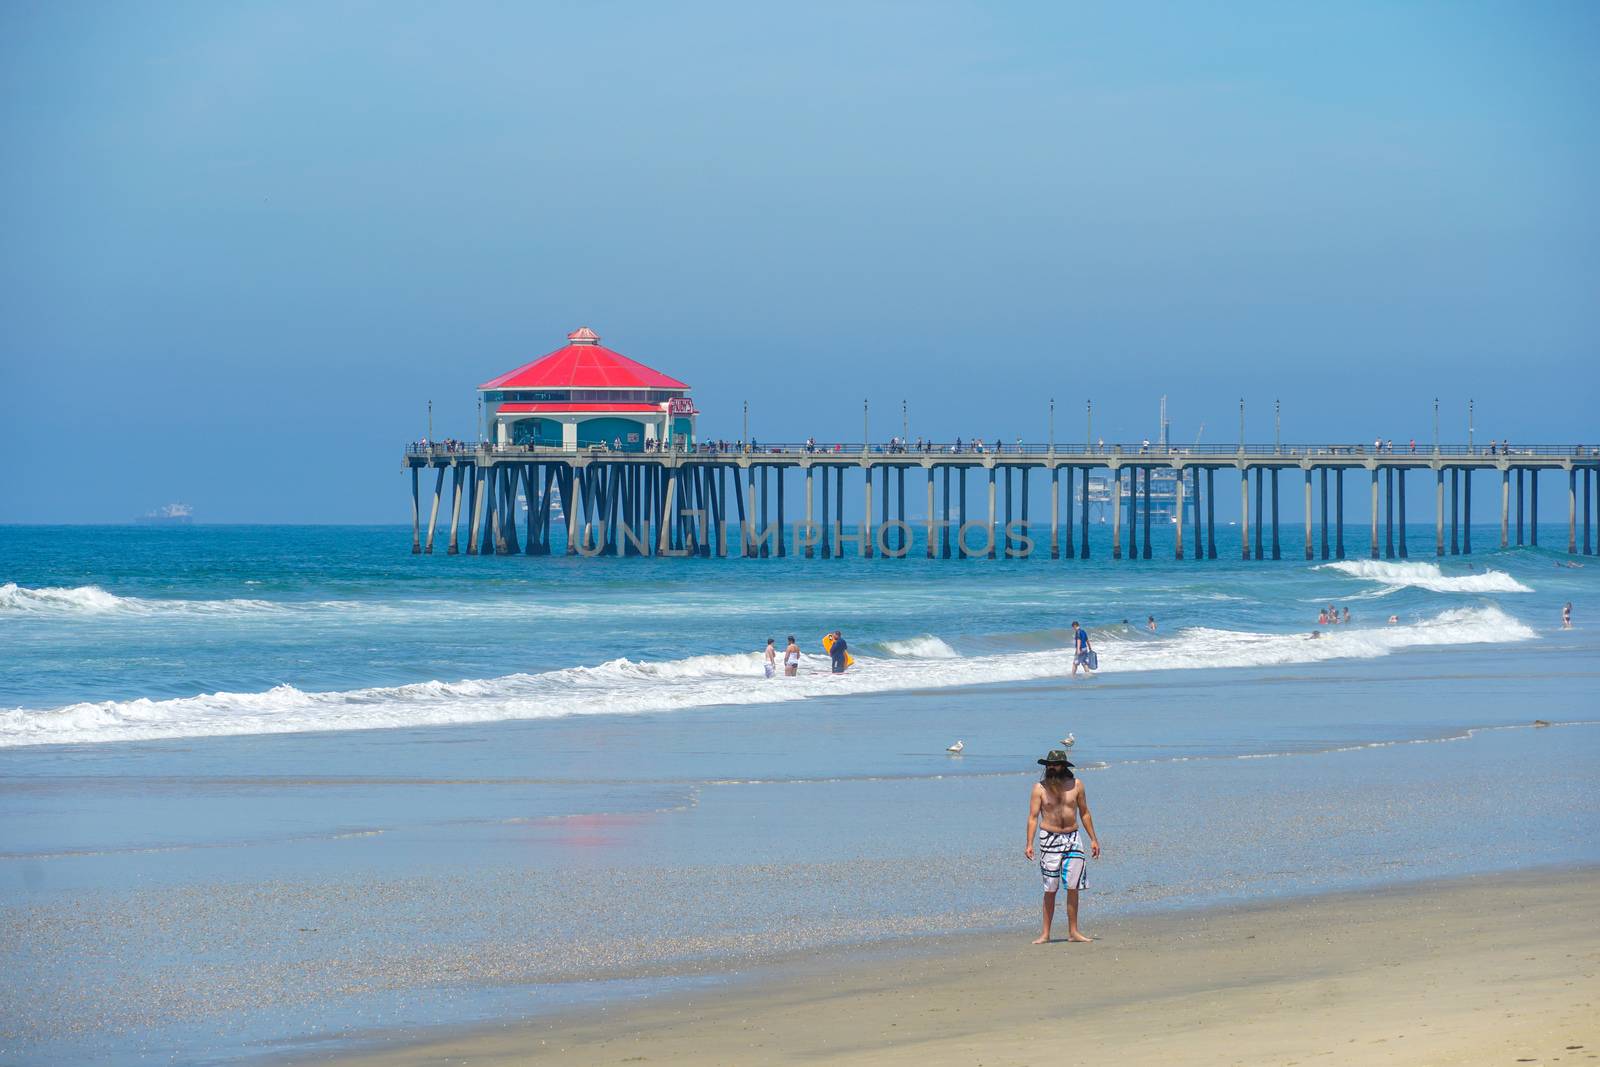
point(1061, 855)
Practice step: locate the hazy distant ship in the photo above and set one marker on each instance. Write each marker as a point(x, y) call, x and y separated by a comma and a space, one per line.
point(169, 515)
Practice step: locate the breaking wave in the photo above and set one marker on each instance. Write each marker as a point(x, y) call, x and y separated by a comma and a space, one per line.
point(92, 600)
point(623, 686)
point(925, 646)
point(1426, 576)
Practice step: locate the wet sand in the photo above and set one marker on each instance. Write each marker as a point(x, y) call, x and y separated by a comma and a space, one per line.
point(1493, 970)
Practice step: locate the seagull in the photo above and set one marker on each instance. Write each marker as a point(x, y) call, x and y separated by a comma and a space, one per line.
point(1069, 740)
point(957, 747)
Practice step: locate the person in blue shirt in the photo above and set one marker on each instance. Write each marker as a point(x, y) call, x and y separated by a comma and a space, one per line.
point(1080, 648)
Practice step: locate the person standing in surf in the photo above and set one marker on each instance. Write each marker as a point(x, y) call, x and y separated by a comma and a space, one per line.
point(1055, 809)
point(791, 658)
point(1080, 648)
point(836, 652)
point(771, 658)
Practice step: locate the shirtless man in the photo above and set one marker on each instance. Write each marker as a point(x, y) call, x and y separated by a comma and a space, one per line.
point(1057, 804)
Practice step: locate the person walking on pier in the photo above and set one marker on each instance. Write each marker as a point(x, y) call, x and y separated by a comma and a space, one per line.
point(1080, 648)
point(771, 657)
point(791, 658)
point(1055, 809)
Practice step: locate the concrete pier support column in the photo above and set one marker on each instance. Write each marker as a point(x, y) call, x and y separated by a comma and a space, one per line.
point(1589, 476)
point(961, 486)
point(1533, 506)
point(902, 531)
point(1572, 510)
point(1244, 512)
point(1055, 513)
point(1133, 512)
point(883, 518)
point(1388, 513)
point(475, 519)
point(1027, 530)
point(1400, 476)
point(944, 530)
point(454, 548)
point(1466, 511)
point(866, 514)
point(1438, 511)
point(1261, 511)
point(1324, 477)
point(1505, 508)
point(1069, 541)
point(1519, 506)
point(1147, 472)
point(669, 500)
point(1338, 511)
point(1276, 552)
point(810, 526)
point(1177, 527)
point(1211, 513)
point(1308, 515)
point(1116, 513)
point(1083, 516)
point(1455, 511)
point(1373, 538)
point(433, 514)
point(416, 517)
point(991, 514)
point(1005, 524)
point(1194, 508)
point(783, 526)
point(931, 515)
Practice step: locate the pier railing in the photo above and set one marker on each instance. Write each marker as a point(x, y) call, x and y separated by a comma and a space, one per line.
point(945, 449)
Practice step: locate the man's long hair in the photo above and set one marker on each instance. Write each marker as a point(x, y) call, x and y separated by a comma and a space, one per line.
point(1057, 777)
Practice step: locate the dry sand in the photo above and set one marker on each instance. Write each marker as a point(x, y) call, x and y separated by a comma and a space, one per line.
point(1499, 970)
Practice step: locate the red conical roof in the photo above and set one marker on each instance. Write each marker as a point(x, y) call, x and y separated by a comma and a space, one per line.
point(583, 364)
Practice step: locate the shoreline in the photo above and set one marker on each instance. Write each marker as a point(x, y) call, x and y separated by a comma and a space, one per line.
point(1485, 969)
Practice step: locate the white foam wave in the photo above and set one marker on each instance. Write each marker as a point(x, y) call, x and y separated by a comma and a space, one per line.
point(1426, 576)
point(925, 646)
point(623, 686)
point(92, 600)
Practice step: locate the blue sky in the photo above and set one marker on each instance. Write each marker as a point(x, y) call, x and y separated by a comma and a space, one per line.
point(246, 243)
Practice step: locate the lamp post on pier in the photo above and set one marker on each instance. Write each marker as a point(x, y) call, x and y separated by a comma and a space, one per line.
point(866, 433)
point(1052, 425)
point(905, 423)
point(1277, 426)
point(430, 423)
point(1471, 419)
point(745, 443)
point(1088, 426)
point(1241, 425)
point(1436, 426)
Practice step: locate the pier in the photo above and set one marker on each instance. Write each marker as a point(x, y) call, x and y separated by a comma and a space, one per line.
point(788, 499)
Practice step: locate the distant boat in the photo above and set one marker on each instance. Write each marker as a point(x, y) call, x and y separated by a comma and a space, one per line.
point(557, 515)
point(169, 515)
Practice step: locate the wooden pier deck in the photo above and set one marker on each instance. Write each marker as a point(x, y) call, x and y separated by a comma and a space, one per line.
point(676, 503)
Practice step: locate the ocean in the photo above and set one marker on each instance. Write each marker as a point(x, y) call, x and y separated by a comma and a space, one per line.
point(270, 791)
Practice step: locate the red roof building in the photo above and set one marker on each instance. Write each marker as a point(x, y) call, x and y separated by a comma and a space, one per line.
point(584, 395)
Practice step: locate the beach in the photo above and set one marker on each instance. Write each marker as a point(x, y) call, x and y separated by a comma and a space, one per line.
point(283, 795)
point(1494, 970)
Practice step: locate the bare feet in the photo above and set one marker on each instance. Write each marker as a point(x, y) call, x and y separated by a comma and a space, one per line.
point(1078, 935)
point(1042, 939)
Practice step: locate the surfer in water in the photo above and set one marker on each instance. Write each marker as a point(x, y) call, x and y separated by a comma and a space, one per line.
point(1081, 649)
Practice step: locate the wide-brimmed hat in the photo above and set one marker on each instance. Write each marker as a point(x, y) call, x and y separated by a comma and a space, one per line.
point(1057, 755)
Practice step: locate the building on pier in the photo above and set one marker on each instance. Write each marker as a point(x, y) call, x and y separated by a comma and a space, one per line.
point(585, 395)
